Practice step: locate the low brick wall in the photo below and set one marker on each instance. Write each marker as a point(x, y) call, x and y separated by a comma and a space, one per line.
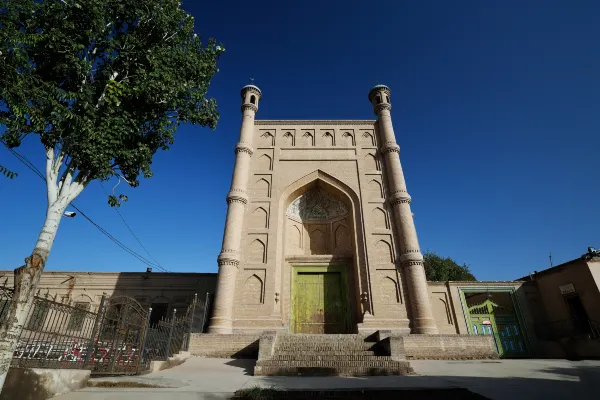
point(449, 347)
point(224, 346)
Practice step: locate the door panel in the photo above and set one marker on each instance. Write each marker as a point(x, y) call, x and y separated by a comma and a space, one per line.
point(319, 305)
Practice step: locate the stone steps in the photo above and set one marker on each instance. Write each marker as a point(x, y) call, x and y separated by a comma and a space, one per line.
point(332, 371)
point(324, 357)
point(335, 353)
point(328, 355)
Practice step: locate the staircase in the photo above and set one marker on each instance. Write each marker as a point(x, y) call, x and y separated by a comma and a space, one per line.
point(329, 355)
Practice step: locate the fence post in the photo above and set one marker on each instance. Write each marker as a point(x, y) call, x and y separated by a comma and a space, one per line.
point(206, 300)
point(142, 358)
point(171, 334)
point(189, 338)
point(94, 328)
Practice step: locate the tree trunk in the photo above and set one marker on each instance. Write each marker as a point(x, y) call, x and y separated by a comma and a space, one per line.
point(26, 280)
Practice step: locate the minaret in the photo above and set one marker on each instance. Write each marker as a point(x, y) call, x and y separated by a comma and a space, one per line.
point(237, 198)
point(411, 260)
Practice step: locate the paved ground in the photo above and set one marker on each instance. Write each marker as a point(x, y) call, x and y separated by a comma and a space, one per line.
point(215, 379)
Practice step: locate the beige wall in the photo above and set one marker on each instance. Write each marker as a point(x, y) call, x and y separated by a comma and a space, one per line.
point(176, 289)
point(584, 275)
point(342, 156)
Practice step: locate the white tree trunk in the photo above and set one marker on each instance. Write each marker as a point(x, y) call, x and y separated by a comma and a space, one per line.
point(27, 277)
point(25, 282)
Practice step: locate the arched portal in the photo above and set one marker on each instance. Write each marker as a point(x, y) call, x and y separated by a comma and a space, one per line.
point(321, 256)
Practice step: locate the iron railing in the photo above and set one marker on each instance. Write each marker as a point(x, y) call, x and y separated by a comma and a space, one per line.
point(169, 336)
point(55, 335)
point(117, 339)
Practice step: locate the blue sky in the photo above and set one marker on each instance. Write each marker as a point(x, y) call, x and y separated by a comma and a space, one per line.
point(495, 108)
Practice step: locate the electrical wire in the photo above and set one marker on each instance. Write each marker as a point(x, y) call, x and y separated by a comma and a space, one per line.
point(21, 157)
point(134, 235)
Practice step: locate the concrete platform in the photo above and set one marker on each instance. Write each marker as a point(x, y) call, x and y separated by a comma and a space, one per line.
point(215, 379)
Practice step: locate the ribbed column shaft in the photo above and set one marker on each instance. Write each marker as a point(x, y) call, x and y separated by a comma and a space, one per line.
point(411, 259)
point(237, 198)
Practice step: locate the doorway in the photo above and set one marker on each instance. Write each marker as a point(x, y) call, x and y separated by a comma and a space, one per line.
point(578, 314)
point(319, 300)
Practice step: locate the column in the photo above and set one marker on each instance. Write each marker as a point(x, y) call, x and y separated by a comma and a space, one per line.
point(411, 260)
point(237, 198)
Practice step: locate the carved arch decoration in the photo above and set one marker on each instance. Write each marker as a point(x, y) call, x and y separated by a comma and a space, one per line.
point(257, 253)
point(309, 138)
point(329, 140)
point(253, 290)
point(380, 218)
point(268, 139)
point(355, 223)
point(259, 218)
point(348, 138)
point(289, 139)
point(316, 204)
point(265, 162)
point(368, 139)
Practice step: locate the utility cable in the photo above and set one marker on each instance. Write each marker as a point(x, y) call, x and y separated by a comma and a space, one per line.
point(32, 167)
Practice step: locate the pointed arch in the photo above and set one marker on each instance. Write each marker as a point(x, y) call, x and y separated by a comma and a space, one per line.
point(371, 163)
point(348, 139)
point(261, 188)
point(368, 139)
point(328, 140)
point(295, 237)
point(268, 139)
point(264, 162)
point(389, 290)
point(257, 252)
point(375, 189)
point(318, 242)
point(289, 139)
point(383, 252)
point(379, 218)
point(253, 290)
point(309, 139)
point(259, 218)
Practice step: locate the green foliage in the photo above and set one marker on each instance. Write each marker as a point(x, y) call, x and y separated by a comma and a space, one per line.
point(8, 173)
point(445, 269)
point(103, 82)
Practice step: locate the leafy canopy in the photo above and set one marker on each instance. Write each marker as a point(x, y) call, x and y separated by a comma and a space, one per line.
point(440, 269)
point(104, 83)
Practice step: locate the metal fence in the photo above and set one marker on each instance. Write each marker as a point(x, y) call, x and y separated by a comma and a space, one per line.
point(169, 336)
point(117, 339)
point(55, 335)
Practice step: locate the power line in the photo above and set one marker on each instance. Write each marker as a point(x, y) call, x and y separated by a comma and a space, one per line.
point(134, 235)
point(32, 167)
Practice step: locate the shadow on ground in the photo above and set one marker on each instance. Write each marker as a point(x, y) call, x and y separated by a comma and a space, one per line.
point(245, 364)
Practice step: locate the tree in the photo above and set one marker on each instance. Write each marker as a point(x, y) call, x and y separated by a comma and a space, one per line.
point(7, 172)
point(440, 269)
point(103, 84)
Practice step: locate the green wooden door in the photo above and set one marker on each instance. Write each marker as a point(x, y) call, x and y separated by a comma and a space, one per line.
point(319, 304)
point(488, 318)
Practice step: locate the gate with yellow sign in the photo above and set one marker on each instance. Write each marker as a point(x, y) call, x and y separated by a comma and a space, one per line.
point(488, 318)
point(319, 300)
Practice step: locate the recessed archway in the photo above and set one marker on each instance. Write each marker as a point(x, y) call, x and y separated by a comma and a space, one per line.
point(319, 218)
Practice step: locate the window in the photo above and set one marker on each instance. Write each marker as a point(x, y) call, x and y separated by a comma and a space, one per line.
point(378, 99)
point(38, 316)
point(253, 99)
point(78, 316)
point(387, 99)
